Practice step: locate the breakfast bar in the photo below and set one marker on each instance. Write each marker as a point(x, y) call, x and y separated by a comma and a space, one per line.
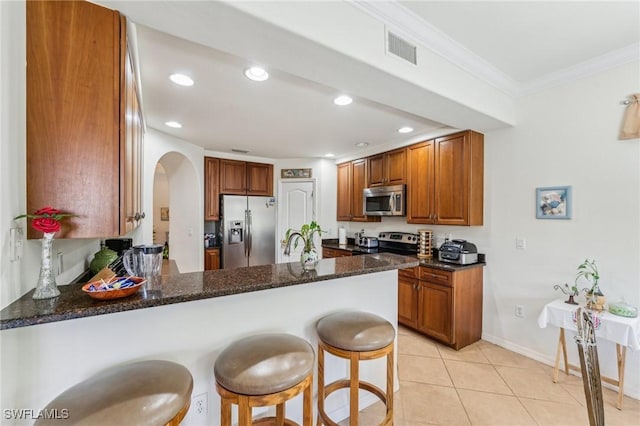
point(46, 348)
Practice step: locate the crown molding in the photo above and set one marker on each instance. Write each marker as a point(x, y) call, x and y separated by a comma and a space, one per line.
point(405, 22)
point(584, 69)
point(408, 24)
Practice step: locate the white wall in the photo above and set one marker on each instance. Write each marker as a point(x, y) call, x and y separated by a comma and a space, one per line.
point(184, 165)
point(160, 199)
point(565, 136)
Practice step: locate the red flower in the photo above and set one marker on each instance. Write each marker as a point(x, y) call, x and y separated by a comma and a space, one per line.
point(45, 224)
point(48, 211)
point(47, 219)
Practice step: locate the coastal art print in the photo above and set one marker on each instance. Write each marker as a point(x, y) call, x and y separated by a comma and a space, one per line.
point(295, 173)
point(553, 202)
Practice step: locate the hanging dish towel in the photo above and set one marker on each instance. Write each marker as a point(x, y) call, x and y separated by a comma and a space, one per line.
point(631, 121)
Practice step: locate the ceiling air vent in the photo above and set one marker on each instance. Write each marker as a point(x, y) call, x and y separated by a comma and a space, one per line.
point(401, 48)
point(239, 151)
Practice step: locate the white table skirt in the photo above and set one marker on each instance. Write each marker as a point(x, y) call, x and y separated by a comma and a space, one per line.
point(617, 329)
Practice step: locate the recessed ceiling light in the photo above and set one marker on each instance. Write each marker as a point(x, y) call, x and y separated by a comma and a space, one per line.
point(256, 74)
point(329, 154)
point(405, 130)
point(342, 100)
point(362, 144)
point(173, 124)
point(181, 79)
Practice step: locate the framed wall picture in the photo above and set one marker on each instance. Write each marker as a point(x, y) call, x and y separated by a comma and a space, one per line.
point(295, 173)
point(553, 202)
point(164, 213)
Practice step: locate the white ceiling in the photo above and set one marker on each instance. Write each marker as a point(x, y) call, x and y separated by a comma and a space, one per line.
point(291, 117)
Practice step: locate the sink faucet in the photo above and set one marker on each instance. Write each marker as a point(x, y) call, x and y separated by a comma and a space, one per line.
point(287, 248)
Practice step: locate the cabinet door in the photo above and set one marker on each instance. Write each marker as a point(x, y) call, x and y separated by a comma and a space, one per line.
point(73, 115)
point(420, 183)
point(211, 189)
point(376, 171)
point(407, 301)
point(359, 183)
point(436, 311)
point(211, 259)
point(344, 192)
point(131, 135)
point(259, 179)
point(233, 177)
point(459, 171)
point(396, 165)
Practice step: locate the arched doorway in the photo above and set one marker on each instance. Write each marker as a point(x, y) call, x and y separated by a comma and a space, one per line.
point(175, 189)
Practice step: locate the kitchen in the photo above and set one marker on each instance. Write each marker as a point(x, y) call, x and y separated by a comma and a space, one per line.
point(540, 149)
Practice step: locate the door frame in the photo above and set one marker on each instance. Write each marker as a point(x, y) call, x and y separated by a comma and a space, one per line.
point(314, 213)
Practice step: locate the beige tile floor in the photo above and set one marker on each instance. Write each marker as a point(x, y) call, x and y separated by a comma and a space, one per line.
point(484, 384)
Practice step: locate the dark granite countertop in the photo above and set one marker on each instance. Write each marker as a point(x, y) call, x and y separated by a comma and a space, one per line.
point(431, 262)
point(177, 288)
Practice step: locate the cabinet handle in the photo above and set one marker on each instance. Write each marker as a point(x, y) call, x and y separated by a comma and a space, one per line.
point(143, 215)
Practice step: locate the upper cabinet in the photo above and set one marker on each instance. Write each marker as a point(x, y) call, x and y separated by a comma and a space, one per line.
point(352, 180)
point(388, 168)
point(211, 188)
point(446, 180)
point(84, 124)
point(244, 178)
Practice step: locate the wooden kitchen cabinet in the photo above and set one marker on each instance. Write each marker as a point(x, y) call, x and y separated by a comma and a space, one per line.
point(84, 124)
point(446, 180)
point(447, 305)
point(388, 168)
point(408, 297)
point(244, 178)
point(211, 259)
point(328, 253)
point(352, 180)
point(211, 188)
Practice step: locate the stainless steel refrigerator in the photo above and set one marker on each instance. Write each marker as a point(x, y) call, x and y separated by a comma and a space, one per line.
point(248, 230)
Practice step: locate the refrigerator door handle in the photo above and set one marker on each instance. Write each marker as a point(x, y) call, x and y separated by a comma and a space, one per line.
point(246, 233)
point(250, 232)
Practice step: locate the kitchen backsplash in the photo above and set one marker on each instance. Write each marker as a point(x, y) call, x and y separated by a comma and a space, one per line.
point(475, 234)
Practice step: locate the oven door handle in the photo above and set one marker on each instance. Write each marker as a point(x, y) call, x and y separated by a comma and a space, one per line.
point(392, 203)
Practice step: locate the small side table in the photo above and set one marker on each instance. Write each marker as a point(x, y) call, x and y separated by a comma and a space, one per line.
point(624, 332)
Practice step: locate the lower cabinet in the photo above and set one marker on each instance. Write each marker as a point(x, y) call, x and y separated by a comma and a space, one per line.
point(211, 259)
point(328, 253)
point(444, 305)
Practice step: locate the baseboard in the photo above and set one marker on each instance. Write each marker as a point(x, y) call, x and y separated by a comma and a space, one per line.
point(545, 359)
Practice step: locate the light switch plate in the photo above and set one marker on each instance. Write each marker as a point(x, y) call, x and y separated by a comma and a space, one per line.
point(521, 243)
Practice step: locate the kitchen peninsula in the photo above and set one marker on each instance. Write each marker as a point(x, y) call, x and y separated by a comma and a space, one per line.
point(47, 349)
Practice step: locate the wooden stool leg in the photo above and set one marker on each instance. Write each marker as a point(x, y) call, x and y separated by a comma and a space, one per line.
point(353, 388)
point(307, 406)
point(244, 411)
point(390, 385)
point(561, 348)
point(319, 422)
point(225, 412)
point(280, 414)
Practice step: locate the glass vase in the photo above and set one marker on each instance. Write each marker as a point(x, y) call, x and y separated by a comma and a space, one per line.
point(309, 257)
point(46, 287)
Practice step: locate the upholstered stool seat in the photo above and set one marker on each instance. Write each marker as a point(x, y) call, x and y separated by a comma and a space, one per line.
point(141, 393)
point(265, 370)
point(356, 336)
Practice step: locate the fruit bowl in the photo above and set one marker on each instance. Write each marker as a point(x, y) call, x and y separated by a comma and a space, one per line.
point(114, 288)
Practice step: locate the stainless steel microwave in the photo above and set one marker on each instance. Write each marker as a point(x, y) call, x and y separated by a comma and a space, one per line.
point(384, 201)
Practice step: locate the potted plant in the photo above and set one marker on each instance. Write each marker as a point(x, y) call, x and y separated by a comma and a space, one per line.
point(588, 270)
point(309, 256)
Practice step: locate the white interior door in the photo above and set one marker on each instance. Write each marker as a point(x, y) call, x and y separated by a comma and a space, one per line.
point(296, 207)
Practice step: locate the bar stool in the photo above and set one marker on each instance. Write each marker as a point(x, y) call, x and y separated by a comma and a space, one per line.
point(141, 393)
point(355, 336)
point(265, 370)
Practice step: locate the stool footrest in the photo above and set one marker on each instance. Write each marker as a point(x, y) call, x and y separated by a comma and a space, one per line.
point(272, 421)
point(342, 384)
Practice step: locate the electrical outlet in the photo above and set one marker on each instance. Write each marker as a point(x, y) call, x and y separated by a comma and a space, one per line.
point(519, 312)
point(200, 404)
point(521, 243)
